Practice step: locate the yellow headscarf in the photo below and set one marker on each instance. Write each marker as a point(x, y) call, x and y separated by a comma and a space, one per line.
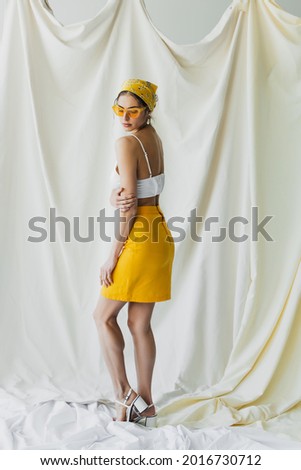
point(145, 90)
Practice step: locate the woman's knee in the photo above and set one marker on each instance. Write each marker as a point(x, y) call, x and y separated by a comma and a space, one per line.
point(139, 318)
point(103, 319)
point(137, 326)
point(105, 315)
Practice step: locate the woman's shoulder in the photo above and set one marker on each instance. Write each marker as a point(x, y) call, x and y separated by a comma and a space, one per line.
point(147, 136)
point(124, 142)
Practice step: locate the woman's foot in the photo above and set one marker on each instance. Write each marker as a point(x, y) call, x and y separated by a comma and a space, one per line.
point(122, 402)
point(146, 417)
point(139, 409)
point(142, 410)
point(151, 411)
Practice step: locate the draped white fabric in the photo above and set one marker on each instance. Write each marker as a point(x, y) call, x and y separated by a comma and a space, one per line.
point(229, 115)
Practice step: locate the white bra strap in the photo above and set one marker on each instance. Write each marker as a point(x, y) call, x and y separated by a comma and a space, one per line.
point(147, 161)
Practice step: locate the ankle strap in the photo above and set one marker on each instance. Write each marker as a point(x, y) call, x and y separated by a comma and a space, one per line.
point(127, 395)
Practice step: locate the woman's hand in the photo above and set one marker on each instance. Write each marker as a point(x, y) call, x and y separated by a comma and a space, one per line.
point(106, 271)
point(122, 202)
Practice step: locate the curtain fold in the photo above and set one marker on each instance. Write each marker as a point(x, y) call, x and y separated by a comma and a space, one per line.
point(229, 115)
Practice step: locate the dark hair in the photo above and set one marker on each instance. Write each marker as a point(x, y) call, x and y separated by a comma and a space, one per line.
point(140, 101)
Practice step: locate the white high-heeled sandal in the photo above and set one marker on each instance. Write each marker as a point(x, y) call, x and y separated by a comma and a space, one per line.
point(123, 403)
point(148, 421)
point(137, 406)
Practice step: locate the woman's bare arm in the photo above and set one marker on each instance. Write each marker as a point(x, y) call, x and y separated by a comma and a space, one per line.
point(128, 179)
point(127, 166)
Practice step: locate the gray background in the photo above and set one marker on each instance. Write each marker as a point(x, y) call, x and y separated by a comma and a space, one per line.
point(183, 21)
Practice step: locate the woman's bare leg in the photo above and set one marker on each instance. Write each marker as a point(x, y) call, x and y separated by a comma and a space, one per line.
point(112, 344)
point(139, 323)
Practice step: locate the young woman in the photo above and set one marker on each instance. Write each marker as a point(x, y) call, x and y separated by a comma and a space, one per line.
point(139, 267)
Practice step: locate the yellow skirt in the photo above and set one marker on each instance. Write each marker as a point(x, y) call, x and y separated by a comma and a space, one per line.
point(144, 268)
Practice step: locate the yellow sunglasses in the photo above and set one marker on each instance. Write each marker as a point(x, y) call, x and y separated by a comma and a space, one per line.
point(134, 113)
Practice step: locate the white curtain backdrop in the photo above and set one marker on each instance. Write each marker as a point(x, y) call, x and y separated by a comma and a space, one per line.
point(229, 115)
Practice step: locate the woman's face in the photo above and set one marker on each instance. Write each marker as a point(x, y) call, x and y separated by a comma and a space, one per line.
point(129, 123)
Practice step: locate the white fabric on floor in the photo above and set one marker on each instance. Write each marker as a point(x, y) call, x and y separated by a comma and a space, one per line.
point(63, 425)
point(229, 115)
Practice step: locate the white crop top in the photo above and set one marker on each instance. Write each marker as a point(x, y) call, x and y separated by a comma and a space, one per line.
point(146, 187)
